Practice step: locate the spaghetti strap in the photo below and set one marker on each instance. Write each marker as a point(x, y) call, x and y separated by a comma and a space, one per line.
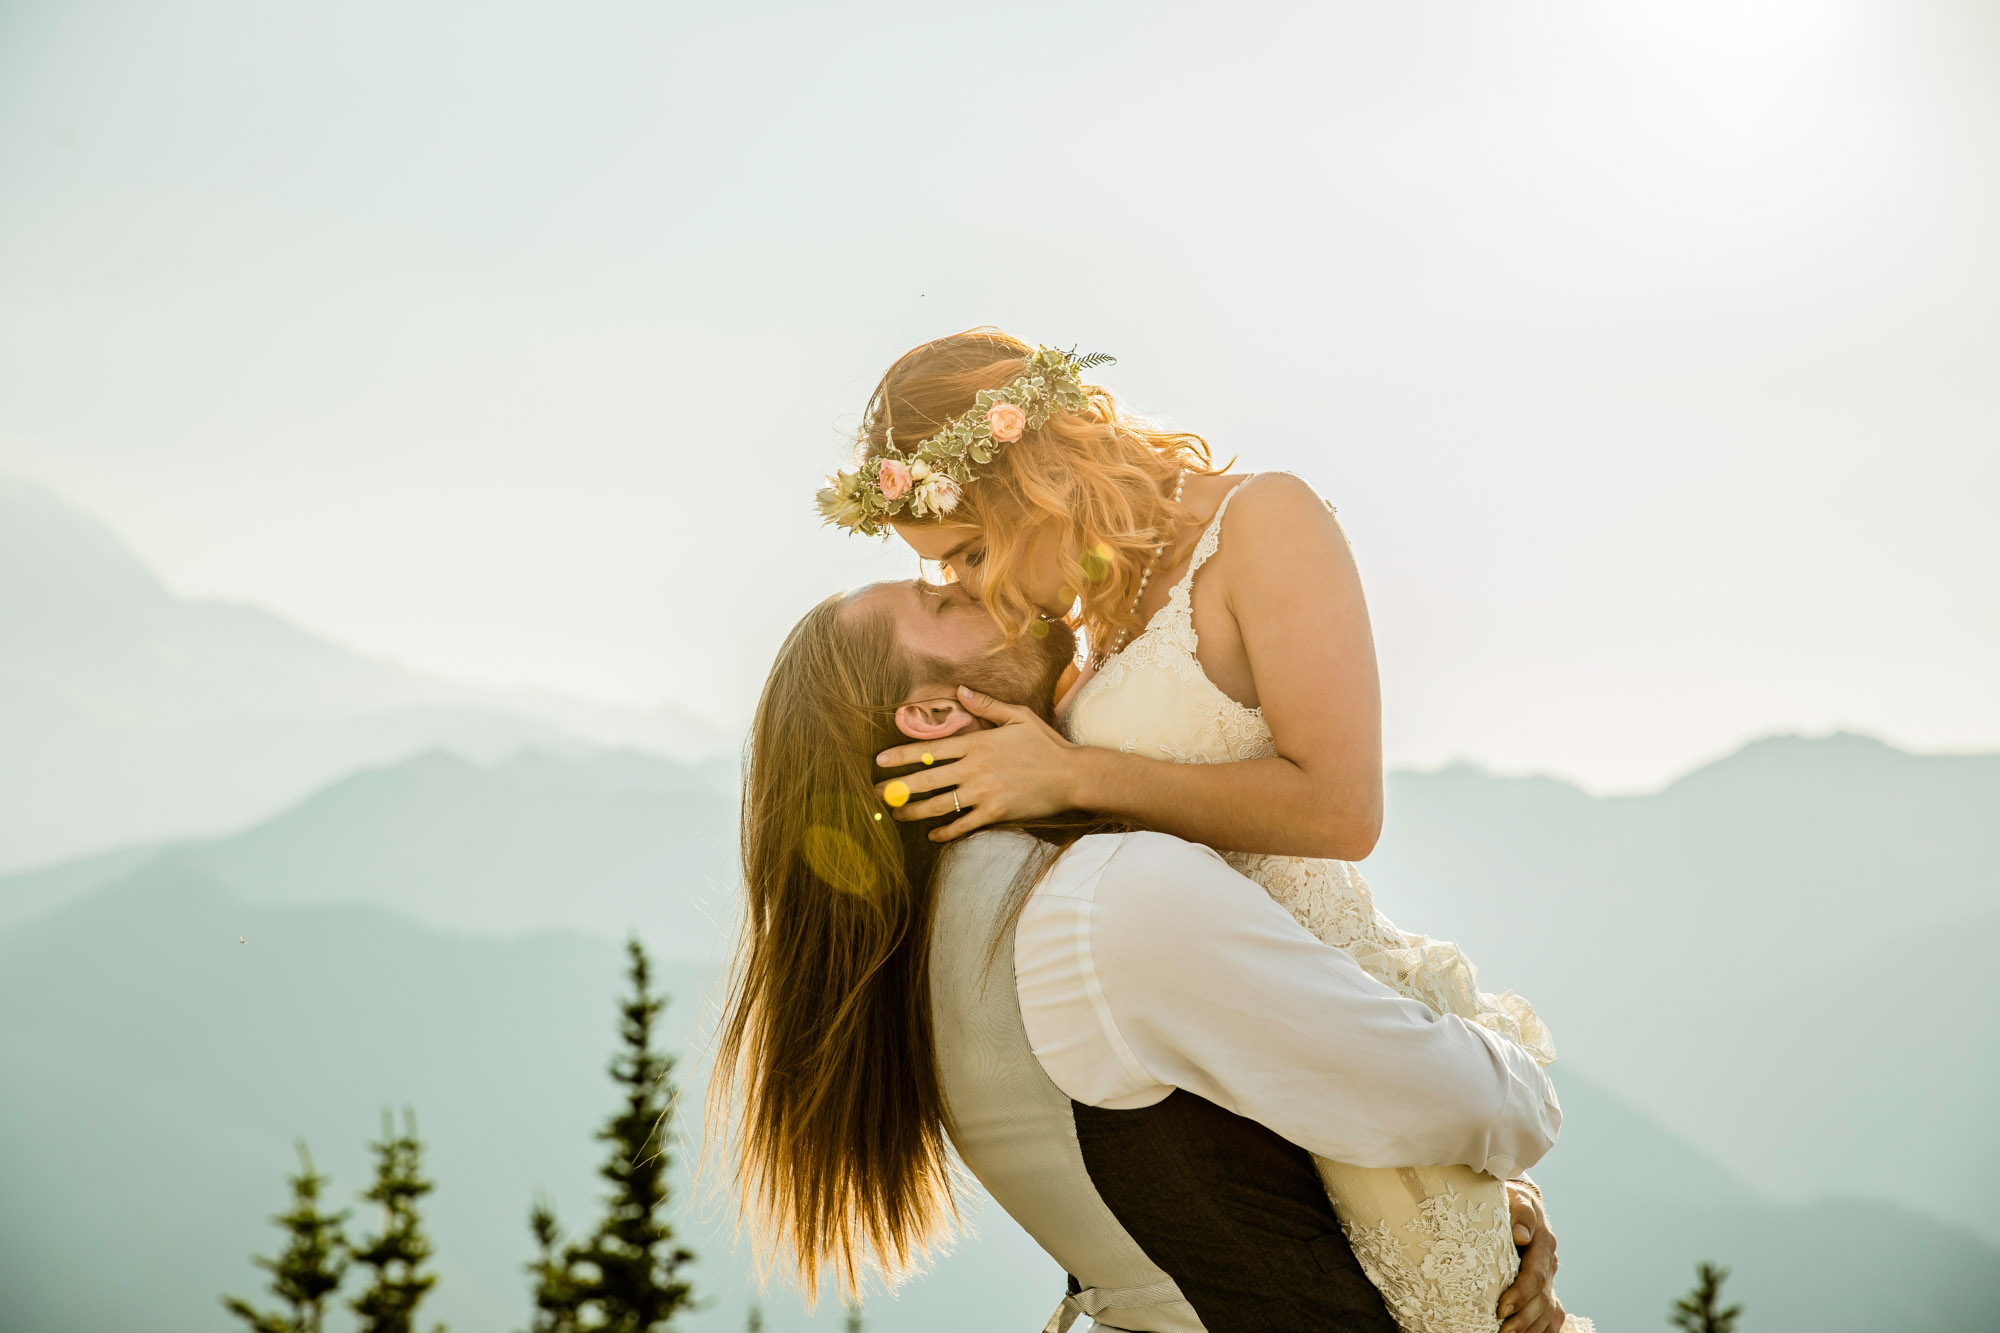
point(1174, 621)
point(1178, 614)
point(1211, 538)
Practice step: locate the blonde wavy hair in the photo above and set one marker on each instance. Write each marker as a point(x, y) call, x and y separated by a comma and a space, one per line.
point(1101, 480)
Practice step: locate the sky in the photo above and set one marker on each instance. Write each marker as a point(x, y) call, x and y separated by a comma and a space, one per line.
point(1648, 352)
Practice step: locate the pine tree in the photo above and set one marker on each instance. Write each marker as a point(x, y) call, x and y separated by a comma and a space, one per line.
point(558, 1300)
point(312, 1265)
point(755, 1322)
point(397, 1284)
point(630, 1269)
point(1696, 1312)
point(853, 1321)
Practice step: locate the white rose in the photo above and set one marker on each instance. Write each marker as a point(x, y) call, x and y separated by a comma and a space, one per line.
point(919, 471)
point(940, 494)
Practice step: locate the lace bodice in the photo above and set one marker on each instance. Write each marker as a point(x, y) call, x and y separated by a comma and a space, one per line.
point(1153, 699)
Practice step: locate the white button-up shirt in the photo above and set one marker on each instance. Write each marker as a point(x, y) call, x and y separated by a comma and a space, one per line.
point(1145, 963)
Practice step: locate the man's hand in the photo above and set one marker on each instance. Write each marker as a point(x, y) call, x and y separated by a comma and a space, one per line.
point(1530, 1305)
point(1017, 770)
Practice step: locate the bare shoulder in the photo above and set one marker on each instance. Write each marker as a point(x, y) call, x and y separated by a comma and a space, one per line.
point(1279, 511)
point(1273, 493)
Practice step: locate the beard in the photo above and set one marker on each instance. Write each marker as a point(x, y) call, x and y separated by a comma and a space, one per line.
point(1023, 672)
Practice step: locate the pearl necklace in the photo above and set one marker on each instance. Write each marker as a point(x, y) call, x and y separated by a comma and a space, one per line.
point(1145, 577)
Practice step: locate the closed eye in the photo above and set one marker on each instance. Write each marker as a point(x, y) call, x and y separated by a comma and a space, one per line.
point(935, 594)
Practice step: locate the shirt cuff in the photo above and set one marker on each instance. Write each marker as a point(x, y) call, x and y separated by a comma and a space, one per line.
point(1531, 1117)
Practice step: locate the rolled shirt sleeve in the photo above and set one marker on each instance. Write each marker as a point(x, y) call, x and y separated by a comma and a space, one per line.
point(1145, 963)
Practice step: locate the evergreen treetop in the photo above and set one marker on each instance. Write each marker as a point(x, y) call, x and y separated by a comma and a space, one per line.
point(312, 1264)
point(626, 1276)
point(1696, 1312)
point(395, 1258)
point(632, 1263)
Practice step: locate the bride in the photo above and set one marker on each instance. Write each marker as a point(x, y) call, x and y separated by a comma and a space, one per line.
point(1230, 698)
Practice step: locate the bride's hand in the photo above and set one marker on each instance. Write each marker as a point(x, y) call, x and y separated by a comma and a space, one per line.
point(1018, 769)
point(1530, 1305)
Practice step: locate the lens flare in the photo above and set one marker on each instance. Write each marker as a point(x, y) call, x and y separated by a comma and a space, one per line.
point(897, 793)
point(1096, 562)
point(838, 860)
point(929, 758)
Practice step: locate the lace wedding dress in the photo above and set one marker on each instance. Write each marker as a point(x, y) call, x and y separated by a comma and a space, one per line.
point(1436, 1240)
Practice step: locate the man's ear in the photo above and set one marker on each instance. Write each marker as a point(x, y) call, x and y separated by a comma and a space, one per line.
point(933, 719)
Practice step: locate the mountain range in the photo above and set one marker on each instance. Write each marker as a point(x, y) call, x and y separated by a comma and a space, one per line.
point(442, 932)
point(1800, 923)
point(129, 713)
point(602, 841)
point(163, 1040)
point(1800, 920)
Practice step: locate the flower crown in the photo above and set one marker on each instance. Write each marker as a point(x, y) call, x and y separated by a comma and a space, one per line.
point(926, 480)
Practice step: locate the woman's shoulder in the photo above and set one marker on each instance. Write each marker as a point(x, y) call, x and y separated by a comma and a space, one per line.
point(1278, 512)
point(1260, 495)
point(1274, 494)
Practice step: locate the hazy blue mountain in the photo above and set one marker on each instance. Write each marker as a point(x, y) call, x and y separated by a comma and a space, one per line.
point(1805, 919)
point(1635, 1207)
point(154, 1070)
point(603, 842)
point(30, 893)
point(129, 713)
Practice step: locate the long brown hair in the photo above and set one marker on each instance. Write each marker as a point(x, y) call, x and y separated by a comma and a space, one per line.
point(1101, 478)
point(826, 1092)
point(826, 1085)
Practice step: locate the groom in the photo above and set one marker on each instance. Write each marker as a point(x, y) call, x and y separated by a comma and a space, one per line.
point(1141, 1054)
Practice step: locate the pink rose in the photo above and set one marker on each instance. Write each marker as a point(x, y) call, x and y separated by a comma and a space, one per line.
point(1006, 421)
point(894, 478)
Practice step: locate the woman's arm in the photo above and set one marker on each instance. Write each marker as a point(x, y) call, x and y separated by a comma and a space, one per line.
point(1293, 597)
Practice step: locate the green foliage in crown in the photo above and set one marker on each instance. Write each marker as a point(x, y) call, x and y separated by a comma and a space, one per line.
point(927, 480)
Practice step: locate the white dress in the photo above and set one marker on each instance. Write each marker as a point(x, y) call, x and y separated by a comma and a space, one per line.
point(1435, 1240)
